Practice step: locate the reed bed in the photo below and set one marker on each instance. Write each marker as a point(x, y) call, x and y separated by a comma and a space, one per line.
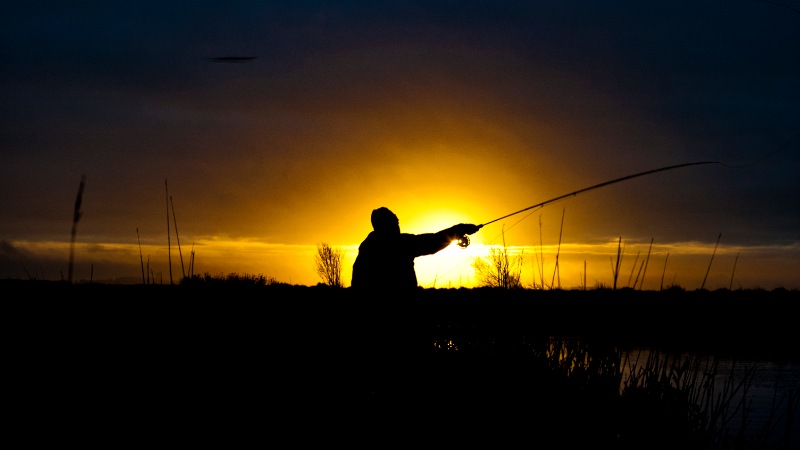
point(448, 365)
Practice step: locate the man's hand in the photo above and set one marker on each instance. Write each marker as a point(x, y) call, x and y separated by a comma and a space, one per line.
point(464, 229)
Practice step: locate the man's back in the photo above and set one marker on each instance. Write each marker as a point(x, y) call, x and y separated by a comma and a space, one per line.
point(386, 257)
point(386, 261)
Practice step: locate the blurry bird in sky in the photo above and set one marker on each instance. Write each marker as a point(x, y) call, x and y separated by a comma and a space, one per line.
point(232, 59)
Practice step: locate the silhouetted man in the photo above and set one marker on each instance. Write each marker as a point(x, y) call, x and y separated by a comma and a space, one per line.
point(386, 257)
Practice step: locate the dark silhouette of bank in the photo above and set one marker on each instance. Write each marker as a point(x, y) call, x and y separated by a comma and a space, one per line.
point(386, 257)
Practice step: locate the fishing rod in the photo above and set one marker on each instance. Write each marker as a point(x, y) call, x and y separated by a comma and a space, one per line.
point(463, 242)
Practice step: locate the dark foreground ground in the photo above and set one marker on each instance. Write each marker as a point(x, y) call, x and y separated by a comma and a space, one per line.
point(321, 366)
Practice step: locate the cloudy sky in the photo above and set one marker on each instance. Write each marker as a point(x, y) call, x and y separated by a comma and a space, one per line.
point(443, 111)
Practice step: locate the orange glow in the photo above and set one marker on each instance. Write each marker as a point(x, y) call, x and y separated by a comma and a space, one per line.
point(682, 263)
point(432, 221)
point(450, 268)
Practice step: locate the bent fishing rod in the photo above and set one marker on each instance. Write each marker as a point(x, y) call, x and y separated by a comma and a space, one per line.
point(463, 242)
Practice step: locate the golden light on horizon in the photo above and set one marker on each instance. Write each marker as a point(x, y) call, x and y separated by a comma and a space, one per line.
point(450, 268)
point(679, 263)
point(466, 121)
point(432, 221)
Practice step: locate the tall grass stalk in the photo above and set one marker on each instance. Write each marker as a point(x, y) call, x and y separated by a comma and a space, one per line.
point(646, 261)
point(141, 262)
point(76, 216)
point(633, 268)
point(730, 286)
point(177, 237)
point(169, 246)
point(541, 253)
point(702, 286)
point(558, 252)
point(191, 262)
point(661, 287)
point(584, 274)
point(638, 274)
point(615, 267)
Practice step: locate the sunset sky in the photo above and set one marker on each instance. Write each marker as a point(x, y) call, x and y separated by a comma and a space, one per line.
point(442, 111)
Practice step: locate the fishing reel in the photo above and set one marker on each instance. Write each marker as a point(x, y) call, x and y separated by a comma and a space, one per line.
point(463, 241)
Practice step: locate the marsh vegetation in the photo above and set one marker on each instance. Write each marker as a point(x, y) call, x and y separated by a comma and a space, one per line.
point(463, 364)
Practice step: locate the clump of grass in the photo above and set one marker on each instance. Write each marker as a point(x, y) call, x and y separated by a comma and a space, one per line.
point(500, 269)
point(680, 401)
point(232, 280)
point(628, 400)
point(693, 398)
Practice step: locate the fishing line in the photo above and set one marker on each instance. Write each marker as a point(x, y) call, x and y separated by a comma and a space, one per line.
point(779, 4)
point(599, 185)
point(779, 149)
point(463, 242)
